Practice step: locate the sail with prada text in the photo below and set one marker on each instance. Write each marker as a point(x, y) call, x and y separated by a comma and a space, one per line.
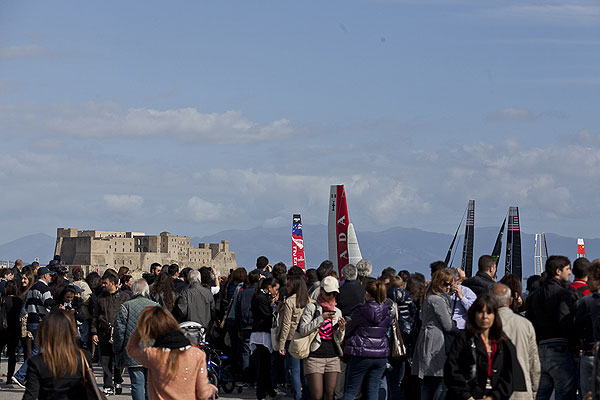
point(342, 241)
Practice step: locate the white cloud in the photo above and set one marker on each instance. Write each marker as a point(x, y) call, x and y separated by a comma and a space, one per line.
point(511, 114)
point(25, 51)
point(123, 202)
point(202, 210)
point(187, 124)
point(561, 12)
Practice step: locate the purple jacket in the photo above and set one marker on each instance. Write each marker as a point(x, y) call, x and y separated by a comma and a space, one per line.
point(367, 331)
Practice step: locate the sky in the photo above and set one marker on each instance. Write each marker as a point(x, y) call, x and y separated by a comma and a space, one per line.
point(197, 117)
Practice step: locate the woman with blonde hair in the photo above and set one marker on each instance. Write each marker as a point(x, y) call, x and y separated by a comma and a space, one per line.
point(56, 371)
point(176, 370)
point(434, 340)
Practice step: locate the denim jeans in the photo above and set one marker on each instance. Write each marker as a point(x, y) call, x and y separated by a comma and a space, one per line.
point(84, 333)
point(21, 374)
point(586, 373)
point(139, 383)
point(433, 388)
point(395, 374)
point(295, 369)
point(558, 373)
point(371, 369)
point(247, 375)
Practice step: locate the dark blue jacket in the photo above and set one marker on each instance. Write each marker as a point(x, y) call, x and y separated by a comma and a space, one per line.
point(367, 331)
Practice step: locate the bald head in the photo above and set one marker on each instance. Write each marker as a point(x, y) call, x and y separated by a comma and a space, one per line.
point(501, 295)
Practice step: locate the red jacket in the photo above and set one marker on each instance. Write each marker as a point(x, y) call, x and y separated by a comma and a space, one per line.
point(578, 284)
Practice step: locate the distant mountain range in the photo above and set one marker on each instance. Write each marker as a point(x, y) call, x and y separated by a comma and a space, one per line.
point(403, 248)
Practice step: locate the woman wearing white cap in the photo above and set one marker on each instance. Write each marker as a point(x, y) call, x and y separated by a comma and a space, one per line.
point(323, 363)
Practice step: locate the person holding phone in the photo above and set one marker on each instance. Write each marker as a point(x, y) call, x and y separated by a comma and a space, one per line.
point(323, 363)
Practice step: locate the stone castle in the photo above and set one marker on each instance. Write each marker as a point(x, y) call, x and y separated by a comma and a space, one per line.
point(98, 250)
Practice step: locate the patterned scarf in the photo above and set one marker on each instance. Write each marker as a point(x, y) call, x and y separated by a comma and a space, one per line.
point(326, 330)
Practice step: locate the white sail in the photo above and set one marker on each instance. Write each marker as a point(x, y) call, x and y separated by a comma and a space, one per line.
point(354, 255)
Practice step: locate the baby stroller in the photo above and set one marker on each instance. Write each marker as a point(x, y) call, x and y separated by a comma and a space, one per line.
point(219, 374)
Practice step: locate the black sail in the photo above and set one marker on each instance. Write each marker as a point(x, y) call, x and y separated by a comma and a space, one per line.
point(513, 244)
point(467, 255)
point(498, 246)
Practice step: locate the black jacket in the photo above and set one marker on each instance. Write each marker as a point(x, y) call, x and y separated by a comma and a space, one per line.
point(550, 310)
point(352, 293)
point(587, 321)
point(480, 283)
point(41, 384)
point(262, 312)
point(465, 371)
point(105, 311)
point(13, 306)
point(243, 308)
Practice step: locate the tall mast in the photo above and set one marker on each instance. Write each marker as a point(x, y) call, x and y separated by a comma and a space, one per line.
point(513, 244)
point(467, 256)
point(498, 246)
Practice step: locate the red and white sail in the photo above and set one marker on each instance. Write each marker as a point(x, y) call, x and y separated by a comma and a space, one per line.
point(298, 242)
point(343, 244)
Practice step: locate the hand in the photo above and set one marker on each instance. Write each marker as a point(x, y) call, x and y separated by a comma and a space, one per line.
point(328, 315)
point(62, 307)
point(341, 324)
point(282, 352)
point(458, 290)
point(214, 391)
point(95, 339)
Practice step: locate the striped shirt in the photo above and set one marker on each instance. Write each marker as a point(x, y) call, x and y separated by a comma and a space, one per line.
point(38, 302)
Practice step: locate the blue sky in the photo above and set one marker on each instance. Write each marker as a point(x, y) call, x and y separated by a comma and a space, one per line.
point(196, 117)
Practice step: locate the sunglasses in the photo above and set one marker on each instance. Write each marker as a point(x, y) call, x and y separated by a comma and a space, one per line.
point(331, 293)
point(447, 284)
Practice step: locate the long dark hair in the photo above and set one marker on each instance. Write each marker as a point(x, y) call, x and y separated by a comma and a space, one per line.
point(57, 338)
point(297, 287)
point(485, 302)
point(164, 285)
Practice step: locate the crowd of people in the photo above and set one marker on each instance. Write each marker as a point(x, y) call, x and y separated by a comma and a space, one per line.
point(311, 334)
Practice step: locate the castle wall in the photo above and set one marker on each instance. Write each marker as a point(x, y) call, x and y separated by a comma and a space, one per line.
point(98, 250)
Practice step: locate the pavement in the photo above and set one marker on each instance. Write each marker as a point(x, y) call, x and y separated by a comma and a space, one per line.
point(14, 392)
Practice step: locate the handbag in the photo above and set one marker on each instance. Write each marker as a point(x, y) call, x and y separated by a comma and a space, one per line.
point(275, 332)
point(92, 391)
point(300, 345)
point(397, 348)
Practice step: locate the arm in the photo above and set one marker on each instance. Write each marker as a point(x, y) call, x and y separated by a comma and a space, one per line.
point(307, 323)
point(468, 297)
point(534, 362)
point(119, 330)
point(95, 316)
point(442, 312)
point(135, 351)
point(32, 385)
point(204, 389)
point(180, 309)
point(286, 319)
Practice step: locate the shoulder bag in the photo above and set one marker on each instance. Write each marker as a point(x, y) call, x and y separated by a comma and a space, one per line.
point(397, 348)
point(92, 391)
